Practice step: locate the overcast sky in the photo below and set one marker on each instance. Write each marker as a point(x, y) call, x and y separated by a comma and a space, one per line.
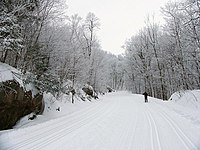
point(120, 19)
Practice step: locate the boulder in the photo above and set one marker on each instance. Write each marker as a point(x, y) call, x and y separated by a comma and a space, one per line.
point(110, 89)
point(15, 103)
point(88, 91)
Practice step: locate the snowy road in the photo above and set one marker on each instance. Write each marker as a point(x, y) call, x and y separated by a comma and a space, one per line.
point(120, 121)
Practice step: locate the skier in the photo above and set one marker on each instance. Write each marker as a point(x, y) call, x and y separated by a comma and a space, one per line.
point(145, 97)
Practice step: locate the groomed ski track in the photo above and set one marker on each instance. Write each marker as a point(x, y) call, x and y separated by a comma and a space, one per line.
point(119, 121)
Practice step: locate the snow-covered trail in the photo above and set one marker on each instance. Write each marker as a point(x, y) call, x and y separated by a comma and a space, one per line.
point(120, 121)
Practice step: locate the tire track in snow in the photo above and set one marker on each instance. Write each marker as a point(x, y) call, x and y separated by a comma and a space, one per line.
point(178, 131)
point(39, 134)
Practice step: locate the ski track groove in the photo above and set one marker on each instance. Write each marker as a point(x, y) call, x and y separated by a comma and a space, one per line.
point(179, 132)
point(59, 136)
point(51, 131)
point(116, 108)
point(113, 145)
point(99, 127)
point(119, 144)
point(151, 131)
point(125, 135)
point(128, 133)
point(156, 128)
point(134, 131)
point(96, 114)
point(62, 133)
point(89, 108)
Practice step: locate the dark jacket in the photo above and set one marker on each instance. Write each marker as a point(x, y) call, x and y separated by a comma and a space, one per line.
point(145, 96)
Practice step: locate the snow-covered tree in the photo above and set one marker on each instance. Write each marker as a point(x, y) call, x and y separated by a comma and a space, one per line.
point(162, 60)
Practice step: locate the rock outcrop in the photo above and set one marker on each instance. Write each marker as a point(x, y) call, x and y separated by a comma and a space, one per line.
point(15, 103)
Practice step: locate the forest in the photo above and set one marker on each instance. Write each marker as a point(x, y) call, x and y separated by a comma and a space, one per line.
point(50, 48)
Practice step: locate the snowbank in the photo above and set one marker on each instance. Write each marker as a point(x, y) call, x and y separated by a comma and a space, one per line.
point(187, 98)
point(187, 104)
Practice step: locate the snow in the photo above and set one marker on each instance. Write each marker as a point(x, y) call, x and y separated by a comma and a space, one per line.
point(54, 107)
point(118, 121)
point(187, 98)
point(32, 88)
point(9, 73)
point(187, 104)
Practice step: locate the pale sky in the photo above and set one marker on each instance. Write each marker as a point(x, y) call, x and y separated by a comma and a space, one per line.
point(120, 19)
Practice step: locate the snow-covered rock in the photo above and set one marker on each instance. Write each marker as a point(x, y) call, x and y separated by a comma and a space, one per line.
point(10, 73)
point(16, 98)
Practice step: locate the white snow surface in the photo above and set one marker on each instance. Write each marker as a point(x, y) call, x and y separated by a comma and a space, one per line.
point(52, 104)
point(117, 121)
point(9, 73)
point(188, 98)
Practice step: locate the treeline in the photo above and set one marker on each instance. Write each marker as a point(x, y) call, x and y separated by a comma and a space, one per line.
point(50, 47)
point(164, 59)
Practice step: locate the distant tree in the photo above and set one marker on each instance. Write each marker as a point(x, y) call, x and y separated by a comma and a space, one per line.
point(91, 24)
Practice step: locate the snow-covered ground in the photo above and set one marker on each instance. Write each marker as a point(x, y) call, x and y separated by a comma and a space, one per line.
point(118, 121)
point(54, 108)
